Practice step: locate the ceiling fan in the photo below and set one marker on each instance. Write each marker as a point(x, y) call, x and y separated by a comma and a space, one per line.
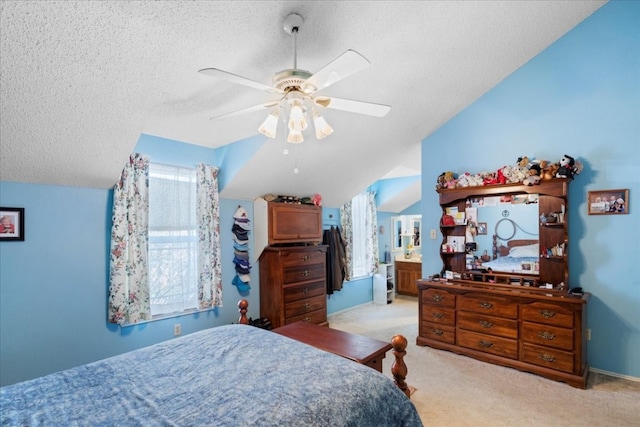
point(297, 92)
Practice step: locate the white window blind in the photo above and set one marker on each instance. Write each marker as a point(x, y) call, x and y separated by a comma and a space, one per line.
point(172, 239)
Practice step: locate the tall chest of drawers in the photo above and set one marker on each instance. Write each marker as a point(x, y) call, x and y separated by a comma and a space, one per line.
point(293, 284)
point(529, 331)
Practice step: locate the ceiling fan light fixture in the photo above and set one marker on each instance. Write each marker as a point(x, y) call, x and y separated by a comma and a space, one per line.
point(297, 119)
point(322, 127)
point(295, 137)
point(270, 126)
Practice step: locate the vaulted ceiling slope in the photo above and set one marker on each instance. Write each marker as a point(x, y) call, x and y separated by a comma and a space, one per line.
point(80, 81)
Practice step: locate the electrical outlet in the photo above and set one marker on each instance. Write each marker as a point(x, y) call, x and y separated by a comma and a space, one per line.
point(432, 233)
point(177, 329)
point(589, 334)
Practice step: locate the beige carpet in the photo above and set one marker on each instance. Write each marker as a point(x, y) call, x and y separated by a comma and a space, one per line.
point(454, 390)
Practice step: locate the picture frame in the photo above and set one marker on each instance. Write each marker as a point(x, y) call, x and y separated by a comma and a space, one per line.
point(481, 228)
point(608, 202)
point(11, 224)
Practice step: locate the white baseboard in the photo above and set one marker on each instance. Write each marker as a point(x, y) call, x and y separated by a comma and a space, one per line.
point(614, 374)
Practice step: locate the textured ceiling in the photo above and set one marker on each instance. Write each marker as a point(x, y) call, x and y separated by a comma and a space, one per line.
point(80, 81)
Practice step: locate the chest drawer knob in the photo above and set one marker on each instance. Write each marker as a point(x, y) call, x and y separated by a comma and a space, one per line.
point(486, 344)
point(437, 298)
point(438, 315)
point(306, 306)
point(305, 273)
point(546, 357)
point(305, 258)
point(486, 305)
point(438, 332)
point(305, 291)
point(547, 335)
point(307, 319)
point(486, 324)
point(547, 314)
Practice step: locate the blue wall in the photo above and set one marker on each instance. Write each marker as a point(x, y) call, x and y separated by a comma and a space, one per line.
point(581, 96)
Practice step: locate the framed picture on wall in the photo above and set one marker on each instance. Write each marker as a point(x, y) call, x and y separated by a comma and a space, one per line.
point(608, 202)
point(481, 228)
point(11, 224)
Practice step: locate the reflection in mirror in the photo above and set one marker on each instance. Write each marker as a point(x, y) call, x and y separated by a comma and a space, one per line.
point(505, 232)
point(396, 237)
point(406, 229)
point(417, 231)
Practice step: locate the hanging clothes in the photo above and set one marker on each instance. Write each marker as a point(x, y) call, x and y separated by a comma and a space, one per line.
point(336, 259)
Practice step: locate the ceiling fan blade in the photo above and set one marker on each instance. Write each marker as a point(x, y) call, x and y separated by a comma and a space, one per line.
point(343, 66)
point(248, 110)
point(360, 107)
point(234, 78)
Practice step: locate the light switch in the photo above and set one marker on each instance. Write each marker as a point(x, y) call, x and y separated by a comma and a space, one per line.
point(432, 233)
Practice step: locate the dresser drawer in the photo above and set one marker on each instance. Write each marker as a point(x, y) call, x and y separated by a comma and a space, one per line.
point(298, 292)
point(488, 325)
point(318, 317)
point(438, 297)
point(547, 313)
point(547, 335)
point(304, 273)
point(487, 343)
point(438, 332)
point(301, 307)
point(489, 305)
point(548, 357)
point(296, 259)
point(443, 316)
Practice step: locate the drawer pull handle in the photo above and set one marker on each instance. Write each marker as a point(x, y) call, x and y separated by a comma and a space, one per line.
point(438, 332)
point(305, 291)
point(546, 357)
point(307, 319)
point(305, 258)
point(438, 315)
point(486, 344)
point(547, 335)
point(547, 314)
point(486, 324)
point(486, 305)
point(305, 273)
point(437, 298)
point(306, 306)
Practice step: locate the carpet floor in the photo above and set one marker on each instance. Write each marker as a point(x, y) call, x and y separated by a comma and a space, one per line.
point(455, 390)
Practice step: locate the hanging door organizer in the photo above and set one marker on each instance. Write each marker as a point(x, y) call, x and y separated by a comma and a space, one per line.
point(240, 229)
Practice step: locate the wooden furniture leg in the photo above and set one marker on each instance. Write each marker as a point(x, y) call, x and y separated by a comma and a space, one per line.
point(399, 368)
point(243, 304)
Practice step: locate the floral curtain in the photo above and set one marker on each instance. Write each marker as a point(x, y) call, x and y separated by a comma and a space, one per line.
point(346, 223)
point(371, 233)
point(128, 278)
point(209, 253)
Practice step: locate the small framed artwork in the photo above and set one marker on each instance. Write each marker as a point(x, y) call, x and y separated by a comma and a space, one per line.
point(481, 228)
point(11, 224)
point(608, 202)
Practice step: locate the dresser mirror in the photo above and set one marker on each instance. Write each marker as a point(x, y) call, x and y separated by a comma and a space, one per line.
point(504, 230)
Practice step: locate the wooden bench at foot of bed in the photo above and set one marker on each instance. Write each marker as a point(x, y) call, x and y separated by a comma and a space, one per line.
point(360, 349)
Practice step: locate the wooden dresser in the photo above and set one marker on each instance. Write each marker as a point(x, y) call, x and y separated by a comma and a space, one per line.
point(530, 331)
point(293, 284)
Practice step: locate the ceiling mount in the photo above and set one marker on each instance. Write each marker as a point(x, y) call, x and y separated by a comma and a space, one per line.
point(292, 23)
point(296, 89)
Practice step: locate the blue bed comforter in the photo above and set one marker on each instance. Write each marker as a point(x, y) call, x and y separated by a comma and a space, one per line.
point(233, 375)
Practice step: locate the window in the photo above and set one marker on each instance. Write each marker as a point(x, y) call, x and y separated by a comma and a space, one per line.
point(173, 236)
point(359, 223)
point(358, 217)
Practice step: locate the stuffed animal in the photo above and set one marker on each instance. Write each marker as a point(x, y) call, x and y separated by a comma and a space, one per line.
point(549, 171)
point(567, 167)
point(449, 180)
point(532, 180)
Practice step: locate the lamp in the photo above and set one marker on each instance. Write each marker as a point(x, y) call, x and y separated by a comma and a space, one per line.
point(322, 127)
point(270, 126)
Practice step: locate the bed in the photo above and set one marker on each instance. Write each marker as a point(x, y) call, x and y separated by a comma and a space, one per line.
point(236, 375)
point(517, 256)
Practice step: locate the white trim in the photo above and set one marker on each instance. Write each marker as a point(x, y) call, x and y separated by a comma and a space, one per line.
point(615, 374)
